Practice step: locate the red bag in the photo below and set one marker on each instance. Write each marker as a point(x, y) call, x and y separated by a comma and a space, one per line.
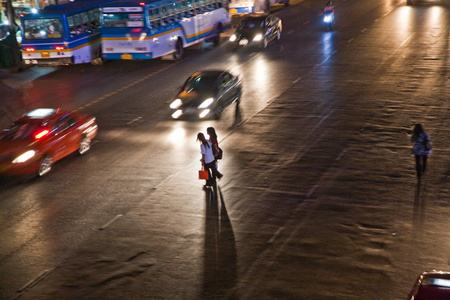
point(203, 174)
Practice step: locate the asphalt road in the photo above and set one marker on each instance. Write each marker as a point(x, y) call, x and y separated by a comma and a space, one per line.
point(319, 198)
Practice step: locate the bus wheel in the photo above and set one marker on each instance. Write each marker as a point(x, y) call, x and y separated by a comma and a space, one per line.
point(217, 37)
point(178, 54)
point(97, 61)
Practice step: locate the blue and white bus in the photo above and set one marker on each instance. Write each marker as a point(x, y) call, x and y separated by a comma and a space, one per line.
point(63, 34)
point(155, 28)
point(249, 6)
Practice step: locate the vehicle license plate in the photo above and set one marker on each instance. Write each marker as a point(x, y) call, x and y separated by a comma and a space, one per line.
point(243, 42)
point(126, 56)
point(45, 54)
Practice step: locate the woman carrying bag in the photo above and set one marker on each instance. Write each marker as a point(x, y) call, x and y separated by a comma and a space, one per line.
point(208, 160)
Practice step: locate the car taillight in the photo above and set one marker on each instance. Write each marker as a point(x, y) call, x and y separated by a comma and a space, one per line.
point(29, 49)
point(41, 134)
point(59, 48)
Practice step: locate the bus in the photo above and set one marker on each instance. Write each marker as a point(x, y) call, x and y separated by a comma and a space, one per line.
point(249, 6)
point(155, 28)
point(63, 34)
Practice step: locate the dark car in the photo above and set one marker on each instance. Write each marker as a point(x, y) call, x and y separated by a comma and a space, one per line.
point(431, 285)
point(257, 29)
point(41, 137)
point(206, 94)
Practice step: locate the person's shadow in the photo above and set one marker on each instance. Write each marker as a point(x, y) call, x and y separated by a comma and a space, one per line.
point(419, 211)
point(220, 258)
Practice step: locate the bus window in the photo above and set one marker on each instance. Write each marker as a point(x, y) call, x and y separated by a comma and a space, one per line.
point(41, 29)
point(155, 17)
point(72, 28)
point(85, 21)
point(120, 19)
point(93, 21)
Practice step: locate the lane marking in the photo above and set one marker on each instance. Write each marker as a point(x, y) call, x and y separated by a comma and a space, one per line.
point(350, 40)
point(340, 155)
point(276, 235)
point(110, 222)
point(33, 282)
point(311, 192)
point(165, 180)
point(297, 80)
point(135, 120)
point(101, 98)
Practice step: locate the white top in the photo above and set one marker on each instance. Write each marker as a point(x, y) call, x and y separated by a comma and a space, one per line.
point(209, 155)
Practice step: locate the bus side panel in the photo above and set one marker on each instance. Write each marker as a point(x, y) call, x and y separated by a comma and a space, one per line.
point(204, 26)
point(87, 52)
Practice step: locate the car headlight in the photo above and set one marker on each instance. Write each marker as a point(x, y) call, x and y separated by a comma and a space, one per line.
point(258, 37)
point(206, 103)
point(24, 157)
point(175, 104)
point(233, 37)
point(177, 114)
point(204, 113)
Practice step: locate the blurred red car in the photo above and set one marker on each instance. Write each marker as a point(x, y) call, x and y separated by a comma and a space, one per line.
point(41, 137)
point(433, 285)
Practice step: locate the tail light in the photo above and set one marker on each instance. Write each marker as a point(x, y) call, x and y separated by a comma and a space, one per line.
point(40, 134)
point(59, 48)
point(29, 49)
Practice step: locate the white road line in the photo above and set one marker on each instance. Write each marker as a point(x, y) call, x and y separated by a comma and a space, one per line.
point(110, 222)
point(32, 282)
point(340, 155)
point(135, 120)
point(297, 80)
point(276, 235)
point(165, 180)
point(311, 191)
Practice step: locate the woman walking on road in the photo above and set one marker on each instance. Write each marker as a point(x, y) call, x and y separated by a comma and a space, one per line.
point(215, 143)
point(208, 160)
point(421, 148)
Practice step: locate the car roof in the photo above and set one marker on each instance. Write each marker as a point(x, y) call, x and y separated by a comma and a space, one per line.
point(40, 115)
point(255, 16)
point(209, 73)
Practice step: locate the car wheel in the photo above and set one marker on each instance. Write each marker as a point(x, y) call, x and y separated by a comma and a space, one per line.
point(179, 51)
point(45, 166)
point(217, 113)
point(85, 145)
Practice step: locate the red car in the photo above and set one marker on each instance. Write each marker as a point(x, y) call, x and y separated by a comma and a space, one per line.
point(41, 137)
point(433, 285)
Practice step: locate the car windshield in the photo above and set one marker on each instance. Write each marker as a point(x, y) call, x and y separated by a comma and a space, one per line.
point(200, 83)
point(251, 24)
point(20, 131)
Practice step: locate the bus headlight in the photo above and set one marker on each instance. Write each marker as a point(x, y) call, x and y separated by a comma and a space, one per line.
point(24, 157)
point(175, 104)
point(206, 103)
point(258, 38)
point(233, 37)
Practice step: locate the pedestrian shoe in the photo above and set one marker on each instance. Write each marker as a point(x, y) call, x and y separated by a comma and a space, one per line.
point(219, 176)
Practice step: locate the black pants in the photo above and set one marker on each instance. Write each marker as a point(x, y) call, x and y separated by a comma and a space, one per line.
point(421, 164)
point(212, 170)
